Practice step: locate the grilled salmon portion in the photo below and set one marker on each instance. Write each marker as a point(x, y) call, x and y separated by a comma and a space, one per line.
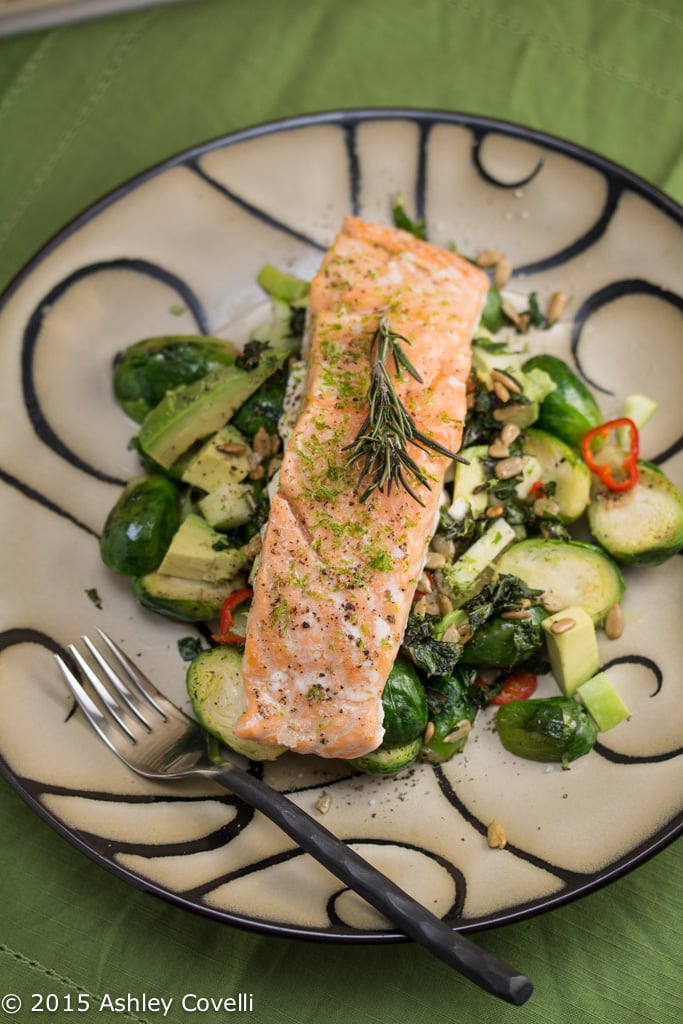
point(337, 575)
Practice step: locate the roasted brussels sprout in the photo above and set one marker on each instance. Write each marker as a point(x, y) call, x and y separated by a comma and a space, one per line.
point(567, 573)
point(144, 372)
point(264, 408)
point(181, 599)
point(570, 410)
point(641, 526)
point(215, 688)
point(502, 643)
point(140, 526)
point(405, 705)
point(388, 760)
point(452, 710)
point(546, 729)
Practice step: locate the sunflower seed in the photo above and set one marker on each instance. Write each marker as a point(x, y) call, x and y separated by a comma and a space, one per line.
point(563, 625)
point(435, 560)
point(556, 306)
point(502, 273)
point(509, 433)
point(488, 258)
point(510, 467)
point(495, 836)
point(498, 450)
point(506, 380)
point(461, 730)
point(323, 803)
point(500, 391)
point(614, 622)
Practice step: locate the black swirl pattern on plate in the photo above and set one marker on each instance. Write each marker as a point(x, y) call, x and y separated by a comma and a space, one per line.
point(452, 916)
point(613, 187)
point(39, 421)
point(584, 242)
point(568, 877)
point(258, 214)
point(615, 756)
point(353, 165)
point(603, 297)
point(33, 495)
point(479, 136)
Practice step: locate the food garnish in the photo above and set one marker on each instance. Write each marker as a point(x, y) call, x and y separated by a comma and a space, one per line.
point(624, 475)
point(388, 428)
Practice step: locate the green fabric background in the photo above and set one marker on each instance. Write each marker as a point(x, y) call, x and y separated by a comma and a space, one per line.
point(85, 107)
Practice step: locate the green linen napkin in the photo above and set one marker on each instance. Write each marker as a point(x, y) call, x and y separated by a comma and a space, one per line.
point(84, 108)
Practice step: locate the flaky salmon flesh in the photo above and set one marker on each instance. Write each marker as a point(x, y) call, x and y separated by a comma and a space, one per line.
point(337, 575)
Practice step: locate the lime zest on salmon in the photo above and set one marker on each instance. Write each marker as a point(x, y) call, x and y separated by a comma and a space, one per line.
point(336, 575)
point(389, 427)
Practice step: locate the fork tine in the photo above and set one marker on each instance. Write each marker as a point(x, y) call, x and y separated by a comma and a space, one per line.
point(99, 721)
point(143, 684)
point(130, 698)
point(119, 713)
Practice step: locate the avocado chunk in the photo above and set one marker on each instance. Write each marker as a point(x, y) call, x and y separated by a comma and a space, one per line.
point(602, 702)
point(572, 647)
point(470, 491)
point(229, 506)
point(198, 552)
point(219, 461)
point(462, 576)
point(485, 360)
point(282, 285)
point(181, 599)
point(639, 409)
point(195, 410)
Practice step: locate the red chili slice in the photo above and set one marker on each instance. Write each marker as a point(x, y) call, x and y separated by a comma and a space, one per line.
point(225, 634)
point(518, 686)
point(603, 470)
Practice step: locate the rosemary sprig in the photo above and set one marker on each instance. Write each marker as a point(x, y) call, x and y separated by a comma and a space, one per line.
point(388, 428)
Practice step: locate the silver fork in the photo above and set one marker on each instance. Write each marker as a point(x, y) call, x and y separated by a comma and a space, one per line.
point(157, 740)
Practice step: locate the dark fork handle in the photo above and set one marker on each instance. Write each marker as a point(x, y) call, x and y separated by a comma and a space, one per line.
point(413, 919)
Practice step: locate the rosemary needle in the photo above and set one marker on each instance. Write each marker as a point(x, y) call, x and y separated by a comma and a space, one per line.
point(381, 444)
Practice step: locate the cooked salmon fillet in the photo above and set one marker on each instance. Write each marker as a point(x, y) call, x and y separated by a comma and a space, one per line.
point(337, 576)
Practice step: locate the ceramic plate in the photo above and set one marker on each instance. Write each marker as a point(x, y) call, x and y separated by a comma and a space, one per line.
point(31, 15)
point(177, 251)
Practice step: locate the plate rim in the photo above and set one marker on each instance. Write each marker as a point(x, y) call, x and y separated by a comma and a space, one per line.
point(636, 856)
point(420, 115)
